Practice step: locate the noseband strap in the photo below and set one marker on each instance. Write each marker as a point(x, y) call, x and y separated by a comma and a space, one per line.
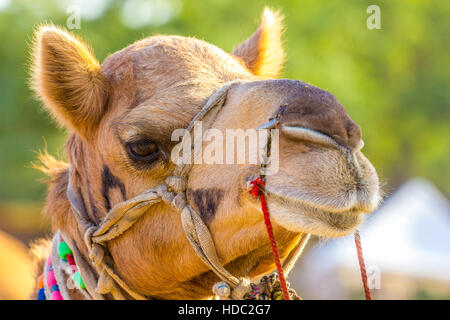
point(125, 214)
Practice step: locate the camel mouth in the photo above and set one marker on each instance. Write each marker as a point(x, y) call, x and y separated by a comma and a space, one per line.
point(301, 216)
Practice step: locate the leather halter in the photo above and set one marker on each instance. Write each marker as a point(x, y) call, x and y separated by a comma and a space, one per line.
point(125, 214)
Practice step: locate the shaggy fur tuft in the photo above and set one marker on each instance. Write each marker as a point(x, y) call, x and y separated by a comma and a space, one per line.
point(49, 165)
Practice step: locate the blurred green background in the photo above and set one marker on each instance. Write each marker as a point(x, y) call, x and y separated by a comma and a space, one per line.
point(394, 82)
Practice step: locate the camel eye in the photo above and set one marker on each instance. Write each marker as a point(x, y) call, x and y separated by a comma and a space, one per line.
point(144, 150)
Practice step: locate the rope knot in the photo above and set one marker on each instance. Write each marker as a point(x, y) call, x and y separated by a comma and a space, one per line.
point(256, 187)
point(166, 195)
point(176, 183)
point(87, 237)
point(241, 289)
point(179, 202)
point(96, 254)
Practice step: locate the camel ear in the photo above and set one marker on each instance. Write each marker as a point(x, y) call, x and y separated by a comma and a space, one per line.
point(263, 52)
point(68, 79)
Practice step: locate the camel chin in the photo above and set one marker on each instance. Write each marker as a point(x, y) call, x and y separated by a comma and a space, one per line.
point(302, 217)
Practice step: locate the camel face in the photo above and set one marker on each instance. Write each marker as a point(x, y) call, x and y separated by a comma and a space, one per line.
point(122, 114)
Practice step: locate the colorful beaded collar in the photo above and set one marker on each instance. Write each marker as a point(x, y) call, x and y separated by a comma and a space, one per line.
point(48, 288)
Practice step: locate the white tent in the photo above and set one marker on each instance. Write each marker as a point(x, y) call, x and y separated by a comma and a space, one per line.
point(408, 235)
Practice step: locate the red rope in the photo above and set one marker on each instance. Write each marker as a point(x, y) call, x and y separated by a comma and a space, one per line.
point(362, 266)
point(258, 191)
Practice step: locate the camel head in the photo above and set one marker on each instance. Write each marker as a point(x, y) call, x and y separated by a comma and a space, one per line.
point(121, 115)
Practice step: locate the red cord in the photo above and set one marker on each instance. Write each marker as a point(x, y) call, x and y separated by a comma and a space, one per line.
point(362, 266)
point(258, 190)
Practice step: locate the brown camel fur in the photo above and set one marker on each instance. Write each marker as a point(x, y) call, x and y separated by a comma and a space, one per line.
point(138, 96)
